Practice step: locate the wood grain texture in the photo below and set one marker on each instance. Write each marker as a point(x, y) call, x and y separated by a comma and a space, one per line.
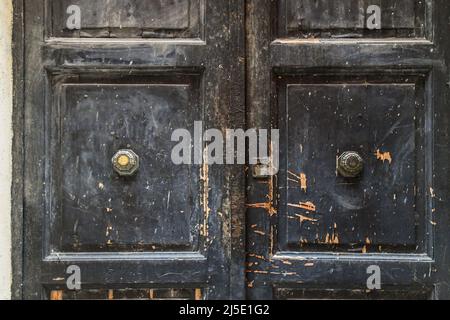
point(101, 211)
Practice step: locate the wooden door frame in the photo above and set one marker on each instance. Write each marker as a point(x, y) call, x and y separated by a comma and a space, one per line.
point(17, 212)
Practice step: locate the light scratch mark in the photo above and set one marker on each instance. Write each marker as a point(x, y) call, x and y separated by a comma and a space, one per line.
point(307, 219)
point(261, 233)
point(309, 206)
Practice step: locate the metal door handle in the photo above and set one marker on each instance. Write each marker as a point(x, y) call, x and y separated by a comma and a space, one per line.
point(125, 162)
point(350, 164)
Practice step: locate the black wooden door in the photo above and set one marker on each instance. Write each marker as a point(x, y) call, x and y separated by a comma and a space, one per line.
point(359, 208)
point(106, 210)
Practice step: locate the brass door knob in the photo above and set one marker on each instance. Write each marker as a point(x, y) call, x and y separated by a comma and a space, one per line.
point(350, 164)
point(125, 162)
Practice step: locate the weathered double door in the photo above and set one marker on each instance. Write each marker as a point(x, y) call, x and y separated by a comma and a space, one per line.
point(358, 209)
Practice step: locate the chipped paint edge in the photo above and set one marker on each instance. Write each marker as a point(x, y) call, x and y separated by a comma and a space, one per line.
point(6, 136)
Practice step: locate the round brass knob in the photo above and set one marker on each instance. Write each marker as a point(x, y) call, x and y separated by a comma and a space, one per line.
point(125, 162)
point(350, 164)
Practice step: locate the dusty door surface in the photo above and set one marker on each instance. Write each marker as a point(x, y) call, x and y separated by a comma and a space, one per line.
point(359, 207)
point(107, 83)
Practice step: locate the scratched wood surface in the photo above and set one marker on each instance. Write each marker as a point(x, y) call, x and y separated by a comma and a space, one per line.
point(168, 226)
point(335, 213)
point(311, 233)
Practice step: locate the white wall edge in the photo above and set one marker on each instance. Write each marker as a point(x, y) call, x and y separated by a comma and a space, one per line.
point(6, 136)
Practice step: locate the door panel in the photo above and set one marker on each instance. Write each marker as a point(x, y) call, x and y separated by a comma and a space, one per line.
point(338, 91)
point(99, 119)
point(133, 19)
point(101, 191)
point(331, 212)
point(347, 18)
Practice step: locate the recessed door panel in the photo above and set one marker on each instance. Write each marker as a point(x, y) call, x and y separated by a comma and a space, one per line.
point(126, 19)
point(147, 211)
point(349, 18)
point(380, 209)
